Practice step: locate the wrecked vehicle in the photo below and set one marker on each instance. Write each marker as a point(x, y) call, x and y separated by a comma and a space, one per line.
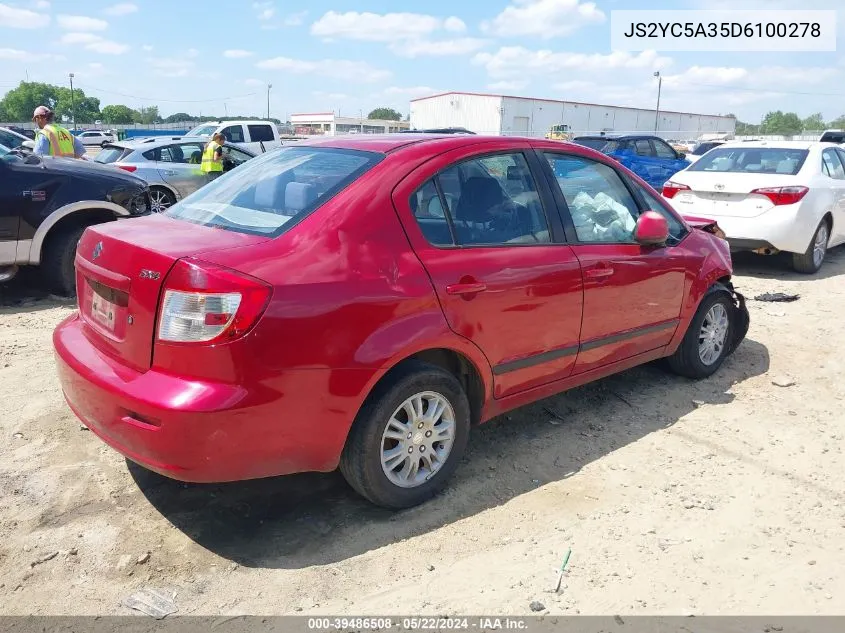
point(364, 301)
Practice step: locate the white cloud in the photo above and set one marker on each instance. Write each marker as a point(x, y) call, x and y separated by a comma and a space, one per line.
point(170, 66)
point(374, 27)
point(15, 18)
point(237, 53)
point(25, 56)
point(335, 68)
point(81, 23)
point(93, 42)
point(513, 62)
point(264, 10)
point(124, 8)
point(296, 19)
point(508, 85)
point(455, 25)
point(437, 48)
point(545, 19)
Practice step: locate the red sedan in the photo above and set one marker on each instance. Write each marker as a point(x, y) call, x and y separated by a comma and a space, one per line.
point(362, 302)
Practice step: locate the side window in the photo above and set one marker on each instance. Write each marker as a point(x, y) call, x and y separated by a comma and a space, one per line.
point(192, 154)
point(600, 204)
point(151, 154)
point(676, 229)
point(489, 201)
point(643, 147)
point(234, 155)
point(841, 154)
point(832, 164)
point(173, 154)
point(234, 134)
point(663, 150)
point(260, 133)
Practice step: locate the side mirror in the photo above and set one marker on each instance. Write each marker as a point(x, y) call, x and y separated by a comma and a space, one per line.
point(652, 229)
point(681, 156)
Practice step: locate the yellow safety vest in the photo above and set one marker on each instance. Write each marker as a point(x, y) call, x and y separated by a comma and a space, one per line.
point(209, 162)
point(61, 141)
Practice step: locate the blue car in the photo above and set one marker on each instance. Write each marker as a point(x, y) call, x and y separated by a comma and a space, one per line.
point(650, 157)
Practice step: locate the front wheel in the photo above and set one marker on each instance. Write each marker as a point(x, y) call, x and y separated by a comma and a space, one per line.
point(57, 261)
point(810, 261)
point(161, 199)
point(708, 340)
point(408, 438)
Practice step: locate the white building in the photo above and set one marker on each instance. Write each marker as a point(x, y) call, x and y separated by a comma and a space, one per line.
point(523, 116)
point(328, 123)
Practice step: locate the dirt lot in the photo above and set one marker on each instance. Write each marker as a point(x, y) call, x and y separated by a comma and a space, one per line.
point(675, 497)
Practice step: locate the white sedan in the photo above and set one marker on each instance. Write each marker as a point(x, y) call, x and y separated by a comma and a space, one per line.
point(96, 137)
point(769, 196)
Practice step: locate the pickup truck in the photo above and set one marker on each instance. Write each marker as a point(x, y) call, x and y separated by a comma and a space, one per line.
point(256, 136)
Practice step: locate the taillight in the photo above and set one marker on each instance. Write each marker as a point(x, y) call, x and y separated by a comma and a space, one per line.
point(782, 195)
point(207, 303)
point(127, 167)
point(670, 189)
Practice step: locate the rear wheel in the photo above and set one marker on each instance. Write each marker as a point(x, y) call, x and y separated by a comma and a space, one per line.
point(408, 438)
point(812, 259)
point(707, 341)
point(57, 260)
point(161, 199)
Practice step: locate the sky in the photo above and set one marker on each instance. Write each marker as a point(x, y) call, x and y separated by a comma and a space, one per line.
point(350, 56)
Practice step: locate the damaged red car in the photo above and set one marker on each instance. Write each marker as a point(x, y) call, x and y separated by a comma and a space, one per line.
point(363, 302)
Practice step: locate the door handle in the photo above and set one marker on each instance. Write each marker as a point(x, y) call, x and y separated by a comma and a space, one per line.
point(170, 173)
point(599, 273)
point(466, 288)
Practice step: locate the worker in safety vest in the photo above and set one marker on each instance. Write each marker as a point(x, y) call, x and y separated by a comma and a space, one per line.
point(212, 157)
point(52, 139)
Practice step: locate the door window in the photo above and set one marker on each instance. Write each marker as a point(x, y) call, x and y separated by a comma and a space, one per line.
point(643, 148)
point(485, 201)
point(602, 208)
point(232, 157)
point(676, 230)
point(234, 133)
point(663, 150)
point(832, 165)
point(260, 133)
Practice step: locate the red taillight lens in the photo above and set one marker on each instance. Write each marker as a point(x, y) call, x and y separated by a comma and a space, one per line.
point(782, 195)
point(207, 303)
point(127, 167)
point(670, 189)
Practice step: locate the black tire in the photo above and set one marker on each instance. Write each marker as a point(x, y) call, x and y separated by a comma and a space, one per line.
point(360, 462)
point(686, 360)
point(805, 262)
point(57, 265)
point(171, 199)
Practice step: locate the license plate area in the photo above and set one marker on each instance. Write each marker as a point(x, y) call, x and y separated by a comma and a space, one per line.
point(106, 309)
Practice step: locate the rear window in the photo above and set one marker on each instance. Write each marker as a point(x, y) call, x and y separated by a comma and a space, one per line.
point(260, 133)
point(270, 194)
point(595, 143)
point(202, 130)
point(755, 160)
point(111, 154)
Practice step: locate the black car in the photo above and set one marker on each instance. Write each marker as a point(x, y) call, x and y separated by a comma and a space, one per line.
point(47, 203)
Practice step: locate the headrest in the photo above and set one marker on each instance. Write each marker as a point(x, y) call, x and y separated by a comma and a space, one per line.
point(299, 196)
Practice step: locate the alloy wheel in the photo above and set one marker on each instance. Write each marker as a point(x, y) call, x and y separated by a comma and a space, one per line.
point(820, 245)
point(159, 201)
point(713, 334)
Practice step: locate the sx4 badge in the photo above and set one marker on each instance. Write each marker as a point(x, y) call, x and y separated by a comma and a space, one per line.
point(149, 274)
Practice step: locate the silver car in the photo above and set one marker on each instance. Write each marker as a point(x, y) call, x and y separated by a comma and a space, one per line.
point(171, 165)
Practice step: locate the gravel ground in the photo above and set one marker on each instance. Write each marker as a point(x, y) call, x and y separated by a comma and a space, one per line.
point(711, 497)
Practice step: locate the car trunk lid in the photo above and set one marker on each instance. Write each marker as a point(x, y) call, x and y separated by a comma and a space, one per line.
point(725, 194)
point(120, 270)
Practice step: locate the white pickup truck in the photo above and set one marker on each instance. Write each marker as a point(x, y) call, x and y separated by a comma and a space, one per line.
point(258, 136)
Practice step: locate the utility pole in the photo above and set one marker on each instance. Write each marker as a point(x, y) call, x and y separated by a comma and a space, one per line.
point(657, 110)
point(361, 112)
point(72, 106)
point(268, 100)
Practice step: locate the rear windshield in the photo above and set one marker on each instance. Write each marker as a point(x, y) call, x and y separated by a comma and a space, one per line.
point(756, 160)
point(202, 130)
point(111, 154)
point(595, 143)
point(703, 148)
point(269, 194)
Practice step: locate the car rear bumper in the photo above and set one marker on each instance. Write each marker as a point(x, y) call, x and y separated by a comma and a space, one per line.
point(779, 228)
point(200, 431)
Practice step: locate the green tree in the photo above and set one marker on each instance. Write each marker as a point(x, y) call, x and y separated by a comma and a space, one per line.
point(814, 122)
point(385, 114)
point(85, 109)
point(179, 116)
point(782, 123)
point(20, 102)
point(147, 115)
point(837, 124)
point(117, 114)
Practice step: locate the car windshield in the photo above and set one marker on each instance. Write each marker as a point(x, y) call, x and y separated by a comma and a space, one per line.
point(269, 194)
point(595, 143)
point(111, 154)
point(202, 130)
point(756, 160)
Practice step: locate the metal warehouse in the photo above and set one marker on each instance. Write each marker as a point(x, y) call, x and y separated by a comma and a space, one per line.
point(524, 116)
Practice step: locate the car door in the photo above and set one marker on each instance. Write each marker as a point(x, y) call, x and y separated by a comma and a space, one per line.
point(11, 209)
point(834, 169)
point(180, 166)
point(632, 293)
point(669, 160)
point(234, 157)
point(485, 228)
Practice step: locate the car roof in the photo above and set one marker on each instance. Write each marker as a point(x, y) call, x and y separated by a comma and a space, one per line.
point(10, 131)
point(778, 144)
